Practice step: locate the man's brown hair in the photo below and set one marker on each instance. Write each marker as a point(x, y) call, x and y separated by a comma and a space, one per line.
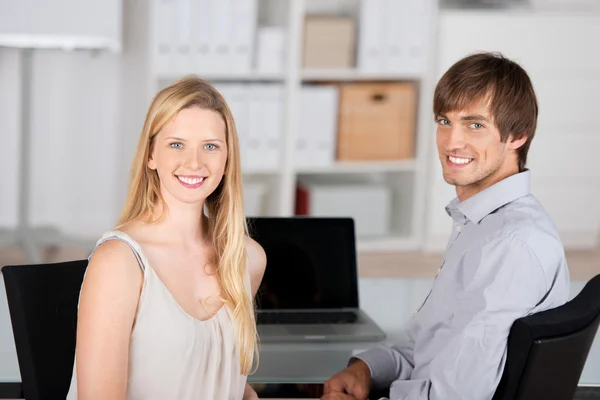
point(503, 84)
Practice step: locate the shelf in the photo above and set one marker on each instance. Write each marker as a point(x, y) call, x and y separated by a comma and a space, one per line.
point(231, 76)
point(387, 244)
point(63, 42)
point(259, 171)
point(359, 167)
point(309, 75)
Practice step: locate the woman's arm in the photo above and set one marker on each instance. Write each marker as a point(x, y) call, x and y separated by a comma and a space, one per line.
point(107, 306)
point(249, 393)
point(257, 263)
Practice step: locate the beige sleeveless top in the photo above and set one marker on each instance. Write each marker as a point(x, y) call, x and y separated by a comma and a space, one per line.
point(173, 355)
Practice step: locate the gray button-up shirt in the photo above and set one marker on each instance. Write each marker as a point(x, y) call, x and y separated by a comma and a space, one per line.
point(504, 261)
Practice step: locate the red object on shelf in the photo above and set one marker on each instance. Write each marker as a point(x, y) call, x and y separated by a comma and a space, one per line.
point(302, 200)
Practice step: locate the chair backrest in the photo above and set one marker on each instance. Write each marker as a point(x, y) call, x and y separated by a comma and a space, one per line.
point(43, 301)
point(548, 350)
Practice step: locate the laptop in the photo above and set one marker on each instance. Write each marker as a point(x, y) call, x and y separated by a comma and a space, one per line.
point(309, 291)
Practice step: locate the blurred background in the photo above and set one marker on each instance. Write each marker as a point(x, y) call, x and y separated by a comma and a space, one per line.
point(332, 99)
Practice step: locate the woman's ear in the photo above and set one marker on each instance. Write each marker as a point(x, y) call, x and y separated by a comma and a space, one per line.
point(151, 163)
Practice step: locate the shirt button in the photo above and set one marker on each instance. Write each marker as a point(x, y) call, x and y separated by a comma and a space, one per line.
point(458, 228)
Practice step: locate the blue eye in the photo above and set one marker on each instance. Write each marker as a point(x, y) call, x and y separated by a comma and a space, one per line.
point(176, 145)
point(210, 147)
point(443, 121)
point(476, 126)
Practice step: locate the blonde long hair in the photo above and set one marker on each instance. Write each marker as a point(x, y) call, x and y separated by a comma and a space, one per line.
point(226, 220)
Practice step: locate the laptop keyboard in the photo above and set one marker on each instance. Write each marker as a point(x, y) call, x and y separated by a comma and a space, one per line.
point(587, 393)
point(290, 318)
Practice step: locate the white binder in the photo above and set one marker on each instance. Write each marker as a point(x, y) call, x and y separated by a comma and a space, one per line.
point(182, 58)
point(316, 141)
point(201, 25)
point(371, 35)
point(164, 17)
point(243, 23)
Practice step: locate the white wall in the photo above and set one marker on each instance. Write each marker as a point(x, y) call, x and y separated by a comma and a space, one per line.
point(9, 138)
point(87, 115)
point(135, 92)
point(556, 50)
point(75, 139)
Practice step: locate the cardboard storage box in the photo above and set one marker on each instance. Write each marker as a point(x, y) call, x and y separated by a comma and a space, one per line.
point(377, 121)
point(329, 42)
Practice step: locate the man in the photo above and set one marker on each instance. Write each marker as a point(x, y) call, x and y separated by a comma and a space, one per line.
point(504, 259)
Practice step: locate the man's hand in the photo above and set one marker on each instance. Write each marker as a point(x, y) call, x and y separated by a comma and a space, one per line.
point(337, 396)
point(355, 381)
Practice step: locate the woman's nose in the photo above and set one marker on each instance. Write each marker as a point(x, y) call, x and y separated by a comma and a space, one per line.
point(195, 160)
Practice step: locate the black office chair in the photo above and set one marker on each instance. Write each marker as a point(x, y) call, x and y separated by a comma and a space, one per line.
point(548, 350)
point(42, 300)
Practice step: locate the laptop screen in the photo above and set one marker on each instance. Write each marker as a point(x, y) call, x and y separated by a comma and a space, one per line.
point(311, 262)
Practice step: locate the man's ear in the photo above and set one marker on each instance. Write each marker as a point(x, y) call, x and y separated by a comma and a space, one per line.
point(514, 144)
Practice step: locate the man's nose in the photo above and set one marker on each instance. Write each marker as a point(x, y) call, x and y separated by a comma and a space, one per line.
point(456, 139)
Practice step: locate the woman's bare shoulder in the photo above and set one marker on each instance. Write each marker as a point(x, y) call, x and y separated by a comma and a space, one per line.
point(116, 254)
point(112, 254)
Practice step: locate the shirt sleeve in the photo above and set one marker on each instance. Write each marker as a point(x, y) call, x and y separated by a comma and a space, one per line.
point(508, 283)
point(389, 363)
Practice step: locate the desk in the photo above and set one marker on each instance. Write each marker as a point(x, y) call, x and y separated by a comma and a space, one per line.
point(306, 362)
point(296, 369)
point(282, 366)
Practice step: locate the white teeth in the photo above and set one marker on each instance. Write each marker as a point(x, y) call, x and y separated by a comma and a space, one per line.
point(190, 181)
point(457, 160)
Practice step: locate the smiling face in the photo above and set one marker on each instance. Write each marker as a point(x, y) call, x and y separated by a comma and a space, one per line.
point(190, 155)
point(471, 151)
point(486, 112)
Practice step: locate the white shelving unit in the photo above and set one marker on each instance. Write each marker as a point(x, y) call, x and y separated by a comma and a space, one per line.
point(406, 177)
point(316, 75)
point(361, 167)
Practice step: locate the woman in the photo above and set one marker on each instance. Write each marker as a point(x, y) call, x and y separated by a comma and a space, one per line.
point(166, 306)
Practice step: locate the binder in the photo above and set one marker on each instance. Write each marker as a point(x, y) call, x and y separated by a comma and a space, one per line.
point(201, 26)
point(316, 141)
point(270, 49)
point(221, 32)
point(265, 126)
point(243, 24)
point(182, 58)
point(416, 36)
point(371, 36)
point(397, 31)
point(164, 17)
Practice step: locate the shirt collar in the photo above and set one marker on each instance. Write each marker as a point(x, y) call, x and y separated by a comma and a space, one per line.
point(477, 207)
